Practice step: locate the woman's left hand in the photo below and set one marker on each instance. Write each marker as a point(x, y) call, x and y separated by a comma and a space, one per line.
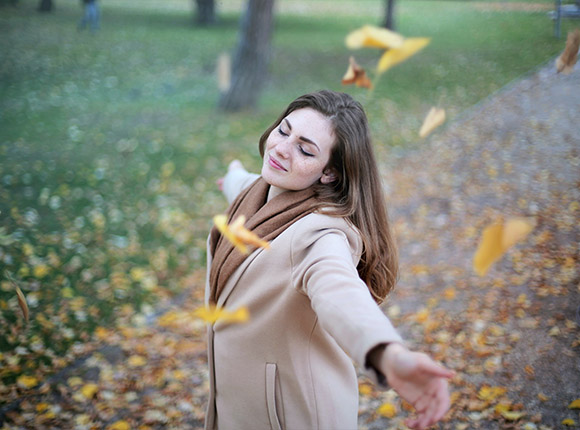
point(418, 380)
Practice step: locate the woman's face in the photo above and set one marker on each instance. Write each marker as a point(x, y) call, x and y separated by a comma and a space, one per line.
point(297, 151)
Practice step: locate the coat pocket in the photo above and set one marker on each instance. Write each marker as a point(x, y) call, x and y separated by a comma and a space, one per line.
point(273, 394)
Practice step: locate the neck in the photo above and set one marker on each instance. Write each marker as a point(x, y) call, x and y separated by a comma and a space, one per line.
point(274, 191)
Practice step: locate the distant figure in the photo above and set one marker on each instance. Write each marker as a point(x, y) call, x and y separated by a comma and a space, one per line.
point(91, 15)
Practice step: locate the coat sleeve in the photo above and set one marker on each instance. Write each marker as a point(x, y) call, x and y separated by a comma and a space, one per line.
point(324, 267)
point(235, 181)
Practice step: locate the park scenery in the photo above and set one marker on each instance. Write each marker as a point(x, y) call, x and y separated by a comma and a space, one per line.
point(115, 127)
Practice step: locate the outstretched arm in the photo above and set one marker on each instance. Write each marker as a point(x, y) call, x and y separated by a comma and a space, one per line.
point(418, 380)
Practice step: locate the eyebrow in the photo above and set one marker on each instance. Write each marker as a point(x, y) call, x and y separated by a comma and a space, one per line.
point(305, 139)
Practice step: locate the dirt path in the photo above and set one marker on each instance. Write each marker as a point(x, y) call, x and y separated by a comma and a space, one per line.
point(517, 154)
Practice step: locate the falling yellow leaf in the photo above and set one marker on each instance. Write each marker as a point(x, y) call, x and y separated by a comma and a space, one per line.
point(89, 390)
point(21, 297)
point(22, 303)
point(565, 62)
point(497, 238)
point(387, 410)
point(373, 37)
point(25, 381)
point(136, 361)
point(224, 72)
point(237, 234)
point(355, 74)
point(434, 119)
point(397, 55)
point(211, 314)
point(568, 422)
point(515, 230)
point(119, 425)
point(575, 404)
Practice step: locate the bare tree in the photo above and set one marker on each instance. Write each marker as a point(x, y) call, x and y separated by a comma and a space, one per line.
point(389, 14)
point(251, 58)
point(205, 12)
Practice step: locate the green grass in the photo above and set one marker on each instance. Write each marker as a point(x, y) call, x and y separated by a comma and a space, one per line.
point(110, 144)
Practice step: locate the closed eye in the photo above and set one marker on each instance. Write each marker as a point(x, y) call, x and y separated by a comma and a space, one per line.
point(281, 132)
point(308, 154)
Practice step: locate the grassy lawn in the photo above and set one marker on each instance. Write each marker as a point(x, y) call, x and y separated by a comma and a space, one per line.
point(110, 143)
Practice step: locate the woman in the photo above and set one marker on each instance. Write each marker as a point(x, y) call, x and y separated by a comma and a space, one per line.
point(313, 295)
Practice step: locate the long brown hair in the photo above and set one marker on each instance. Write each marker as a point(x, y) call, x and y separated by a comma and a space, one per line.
point(357, 193)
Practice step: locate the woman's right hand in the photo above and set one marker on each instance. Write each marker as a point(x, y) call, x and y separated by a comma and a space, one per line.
point(234, 165)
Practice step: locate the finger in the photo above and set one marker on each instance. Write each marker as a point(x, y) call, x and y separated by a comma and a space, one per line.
point(432, 368)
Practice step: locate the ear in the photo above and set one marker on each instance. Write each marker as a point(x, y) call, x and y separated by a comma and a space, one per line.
point(328, 176)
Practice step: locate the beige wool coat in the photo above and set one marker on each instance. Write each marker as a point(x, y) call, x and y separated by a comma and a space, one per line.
point(291, 365)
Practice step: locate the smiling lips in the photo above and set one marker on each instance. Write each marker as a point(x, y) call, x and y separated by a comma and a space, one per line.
point(275, 164)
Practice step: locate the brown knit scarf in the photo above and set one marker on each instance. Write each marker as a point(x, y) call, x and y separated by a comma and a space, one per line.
point(266, 219)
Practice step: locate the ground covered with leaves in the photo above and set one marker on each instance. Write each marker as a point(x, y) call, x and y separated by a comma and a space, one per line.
point(512, 336)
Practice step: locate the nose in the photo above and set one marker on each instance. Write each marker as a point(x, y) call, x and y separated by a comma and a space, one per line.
point(282, 148)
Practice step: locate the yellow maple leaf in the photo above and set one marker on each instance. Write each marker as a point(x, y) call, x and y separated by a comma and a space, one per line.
point(568, 422)
point(370, 36)
point(355, 74)
point(497, 238)
point(237, 234)
point(397, 55)
point(89, 390)
point(119, 425)
point(211, 314)
point(25, 381)
point(387, 410)
point(575, 404)
point(434, 119)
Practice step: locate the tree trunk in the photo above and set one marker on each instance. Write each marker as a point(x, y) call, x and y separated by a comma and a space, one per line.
point(251, 58)
point(205, 14)
point(45, 6)
point(390, 15)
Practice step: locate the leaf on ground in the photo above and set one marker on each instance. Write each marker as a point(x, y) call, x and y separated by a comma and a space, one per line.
point(568, 422)
point(89, 390)
point(387, 410)
point(25, 381)
point(575, 404)
point(136, 361)
point(119, 425)
point(489, 394)
point(434, 119)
